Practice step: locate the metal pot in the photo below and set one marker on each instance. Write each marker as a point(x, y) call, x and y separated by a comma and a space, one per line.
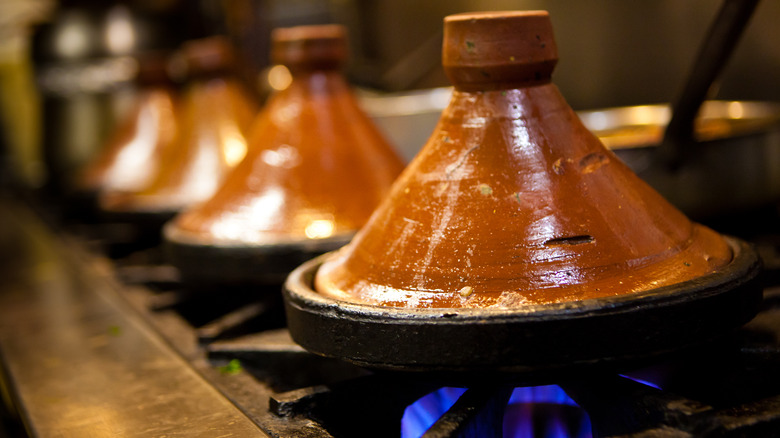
point(734, 164)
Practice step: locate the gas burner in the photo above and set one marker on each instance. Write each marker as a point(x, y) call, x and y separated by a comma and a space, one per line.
point(340, 399)
point(241, 348)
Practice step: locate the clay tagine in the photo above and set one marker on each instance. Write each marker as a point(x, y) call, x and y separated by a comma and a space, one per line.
point(216, 112)
point(132, 155)
point(513, 201)
point(316, 169)
point(515, 241)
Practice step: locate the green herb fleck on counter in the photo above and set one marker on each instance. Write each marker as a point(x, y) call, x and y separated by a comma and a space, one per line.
point(115, 330)
point(232, 368)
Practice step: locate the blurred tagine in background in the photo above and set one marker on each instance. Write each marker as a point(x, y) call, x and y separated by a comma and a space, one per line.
point(215, 114)
point(315, 170)
point(133, 154)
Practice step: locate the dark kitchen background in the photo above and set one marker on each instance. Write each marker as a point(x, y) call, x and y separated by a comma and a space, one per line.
point(66, 77)
point(612, 53)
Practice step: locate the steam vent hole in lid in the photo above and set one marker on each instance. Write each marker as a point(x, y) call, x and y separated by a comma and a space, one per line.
point(512, 201)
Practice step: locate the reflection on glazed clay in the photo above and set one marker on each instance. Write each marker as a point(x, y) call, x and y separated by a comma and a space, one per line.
point(133, 154)
point(287, 113)
point(138, 166)
point(279, 77)
point(284, 156)
point(475, 122)
point(261, 213)
point(319, 228)
point(235, 145)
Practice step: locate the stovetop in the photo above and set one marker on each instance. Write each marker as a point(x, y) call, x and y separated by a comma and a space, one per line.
point(117, 346)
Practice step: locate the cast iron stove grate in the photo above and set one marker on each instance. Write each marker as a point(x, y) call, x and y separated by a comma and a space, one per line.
point(729, 387)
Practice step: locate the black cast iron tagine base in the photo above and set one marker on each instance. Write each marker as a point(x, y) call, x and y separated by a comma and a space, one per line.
point(528, 341)
point(146, 223)
point(227, 264)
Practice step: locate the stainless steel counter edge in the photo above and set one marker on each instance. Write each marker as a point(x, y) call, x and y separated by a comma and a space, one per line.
point(81, 363)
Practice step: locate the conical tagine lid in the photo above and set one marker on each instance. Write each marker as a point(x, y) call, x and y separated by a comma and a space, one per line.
point(215, 114)
point(133, 153)
point(316, 168)
point(513, 201)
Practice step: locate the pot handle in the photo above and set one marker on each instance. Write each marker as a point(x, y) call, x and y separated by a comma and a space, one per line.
point(719, 43)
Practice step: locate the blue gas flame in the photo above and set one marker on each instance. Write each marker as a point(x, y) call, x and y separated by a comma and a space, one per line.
point(520, 421)
point(642, 381)
point(421, 415)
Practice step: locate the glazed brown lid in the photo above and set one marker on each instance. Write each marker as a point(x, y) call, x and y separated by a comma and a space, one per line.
point(153, 69)
point(317, 47)
point(316, 169)
point(485, 51)
point(134, 152)
point(513, 201)
point(213, 120)
point(208, 56)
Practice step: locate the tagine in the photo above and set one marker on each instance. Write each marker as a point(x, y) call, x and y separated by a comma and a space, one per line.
point(215, 117)
point(316, 169)
point(515, 242)
point(133, 153)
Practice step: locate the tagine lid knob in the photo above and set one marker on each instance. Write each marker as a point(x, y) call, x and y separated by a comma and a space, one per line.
point(211, 55)
point(493, 49)
point(153, 69)
point(313, 47)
